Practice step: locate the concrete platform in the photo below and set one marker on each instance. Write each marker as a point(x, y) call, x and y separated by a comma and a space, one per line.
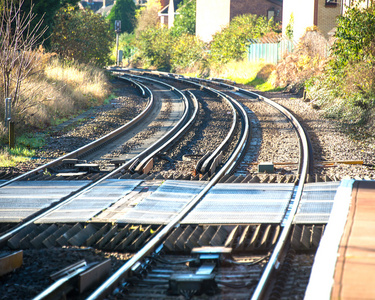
point(344, 266)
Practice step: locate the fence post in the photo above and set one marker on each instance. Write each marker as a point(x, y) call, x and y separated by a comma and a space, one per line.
point(12, 140)
point(8, 111)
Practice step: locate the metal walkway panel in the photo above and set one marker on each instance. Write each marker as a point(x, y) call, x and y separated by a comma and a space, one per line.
point(316, 203)
point(233, 203)
point(21, 199)
point(89, 204)
point(165, 203)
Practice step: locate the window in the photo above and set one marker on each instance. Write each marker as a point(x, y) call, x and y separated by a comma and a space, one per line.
point(331, 3)
point(270, 14)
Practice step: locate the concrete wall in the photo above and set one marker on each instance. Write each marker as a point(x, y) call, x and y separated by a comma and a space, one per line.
point(212, 15)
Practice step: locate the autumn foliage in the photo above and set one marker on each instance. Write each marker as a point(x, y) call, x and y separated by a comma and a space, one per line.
point(82, 35)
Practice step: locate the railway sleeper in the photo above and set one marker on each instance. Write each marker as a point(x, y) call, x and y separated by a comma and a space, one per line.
point(127, 237)
point(256, 237)
point(306, 237)
point(111, 237)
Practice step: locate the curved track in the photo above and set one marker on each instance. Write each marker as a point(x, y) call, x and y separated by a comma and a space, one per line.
point(228, 167)
point(235, 145)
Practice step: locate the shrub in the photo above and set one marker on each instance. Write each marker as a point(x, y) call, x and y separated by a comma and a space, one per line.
point(186, 18)
point(307, 60)
point(82, 35)
point(154, 48)
point(188, 52)
point(230, 43)
point(348, 81)
point(147, 16)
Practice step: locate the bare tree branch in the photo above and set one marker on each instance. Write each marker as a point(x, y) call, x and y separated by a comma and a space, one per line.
point(18, 55)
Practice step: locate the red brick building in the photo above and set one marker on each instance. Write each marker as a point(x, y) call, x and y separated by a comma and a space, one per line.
point(268, 8)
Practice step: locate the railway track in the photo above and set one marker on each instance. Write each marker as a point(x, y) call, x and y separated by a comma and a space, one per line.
point(220, 259)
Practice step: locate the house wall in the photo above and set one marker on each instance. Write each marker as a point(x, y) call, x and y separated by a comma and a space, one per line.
point(327, 16)
point(211, 17)
point(164, 3)
point(173, 5)
point(303, 12)
point(257, 7)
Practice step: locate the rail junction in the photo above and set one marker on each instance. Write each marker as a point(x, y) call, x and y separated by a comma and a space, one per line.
point(219, 233)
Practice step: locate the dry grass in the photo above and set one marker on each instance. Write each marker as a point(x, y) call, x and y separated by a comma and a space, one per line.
point(58, 90)
point(307, 60)
point(88, 81)
point(259, 75)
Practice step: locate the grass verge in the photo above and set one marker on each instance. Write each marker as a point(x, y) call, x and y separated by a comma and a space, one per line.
point(24, 150)
point(12, 157)
point(258, 75)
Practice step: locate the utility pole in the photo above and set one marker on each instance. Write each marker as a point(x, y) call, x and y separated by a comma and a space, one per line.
point(117, 30)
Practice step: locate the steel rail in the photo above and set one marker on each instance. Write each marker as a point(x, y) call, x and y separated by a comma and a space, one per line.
point(304, 166)
point(235, 106)
point(97, 143)
point(246, 134)
point(246, 124)
point(85, 189)
point(111, 283)
point(208, 161)
point(178, 130)
point(206, 165)
point(273, 262)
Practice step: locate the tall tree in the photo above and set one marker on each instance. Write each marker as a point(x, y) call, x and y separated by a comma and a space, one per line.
point(42, 9)
point(82, 35)
point(123, 10)
point(19, 38)
point(185, 20)
point(147, 16)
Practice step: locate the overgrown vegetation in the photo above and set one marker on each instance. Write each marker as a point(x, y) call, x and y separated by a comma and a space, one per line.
point(82, 35)
point(179, 50)
point(346, 87)
point(43, 86)
point(60, 90)
point(230, 43)
point(308, 59)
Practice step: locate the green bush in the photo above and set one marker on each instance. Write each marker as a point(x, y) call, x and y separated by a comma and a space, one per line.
point(185, 19)
point(188, 52)
point(348, 81)
point(154, 48)
point(231, 43)
point(82, 35)
point(126, 44)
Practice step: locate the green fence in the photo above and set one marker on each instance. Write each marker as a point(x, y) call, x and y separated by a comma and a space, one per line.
point(270, 52)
